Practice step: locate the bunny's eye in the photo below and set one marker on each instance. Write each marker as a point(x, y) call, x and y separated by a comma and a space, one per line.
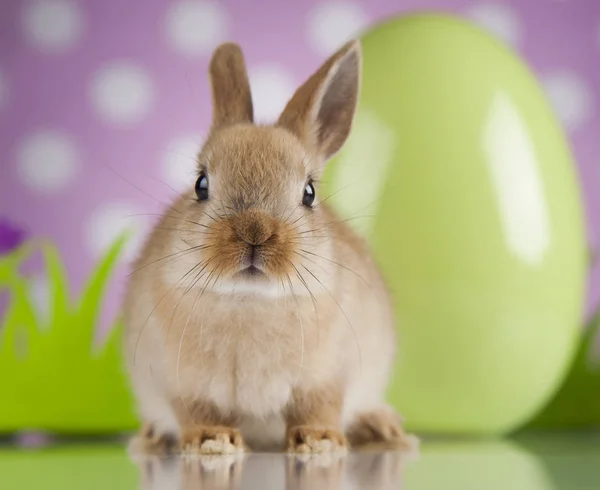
point(202, 187)
point(309, 195)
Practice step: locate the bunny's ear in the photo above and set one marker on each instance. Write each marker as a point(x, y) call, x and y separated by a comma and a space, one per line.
point(322, 110)
point(232, 100)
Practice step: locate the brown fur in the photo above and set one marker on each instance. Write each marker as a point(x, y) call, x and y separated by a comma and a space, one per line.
point(314, 416)
point(380, 426)
point(227, 439)
point(295, 354)
point(198, 412)
point(317, 407)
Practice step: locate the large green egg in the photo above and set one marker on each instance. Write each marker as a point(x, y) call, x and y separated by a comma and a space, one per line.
point(459, 174)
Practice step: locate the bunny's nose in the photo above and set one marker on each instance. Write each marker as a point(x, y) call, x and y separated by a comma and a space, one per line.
point(254, 235)
point(254, 228)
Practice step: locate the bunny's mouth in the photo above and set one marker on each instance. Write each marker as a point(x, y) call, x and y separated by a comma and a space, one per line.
point(252, 264)
point(252, 272)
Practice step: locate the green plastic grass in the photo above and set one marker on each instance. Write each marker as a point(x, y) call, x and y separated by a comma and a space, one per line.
point(52, 376)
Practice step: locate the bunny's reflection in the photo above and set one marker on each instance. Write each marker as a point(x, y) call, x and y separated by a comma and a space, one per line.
point(377, 470)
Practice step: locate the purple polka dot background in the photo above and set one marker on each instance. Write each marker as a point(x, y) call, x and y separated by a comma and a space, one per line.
point(103, 104)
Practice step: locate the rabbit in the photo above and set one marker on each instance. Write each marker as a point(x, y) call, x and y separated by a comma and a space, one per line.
point(256, 319)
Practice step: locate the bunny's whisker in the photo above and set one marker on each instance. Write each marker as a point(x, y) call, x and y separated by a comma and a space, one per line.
point(208, 215)
point(200, 293)
point(170, 218)
point(275, 342)
point(301, 279)
point(182, 230)
point(171, 256)
point(181, 337)
point(200, 274)
point(203, 265)
point(139, 188)
point(336, 263)
point(310, 239)
point(343, 313)
point(143, 326)
point(313, 299)
point(299, 314)
point(287, 220)
point(181, 196)
point(324, 200)
point(215, 212)
point(294, 228)
point(312, 261)
point(337, 222)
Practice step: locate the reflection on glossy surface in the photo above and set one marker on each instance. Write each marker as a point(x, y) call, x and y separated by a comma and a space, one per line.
point(536, 463)
point(544, 462)
point(493, 465)
point(378, 470)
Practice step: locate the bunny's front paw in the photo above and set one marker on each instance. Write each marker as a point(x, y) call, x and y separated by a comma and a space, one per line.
point(315, 440)
point(212, 440)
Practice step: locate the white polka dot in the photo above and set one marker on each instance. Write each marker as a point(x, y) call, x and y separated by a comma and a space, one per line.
point(109, 221)
point(499, 19)
point(272, 87)
point(52, 26)
point(122, 93)
point(47, 161)
point(39, 293)
point(179, 162)
point(3, 91)
point(331, 24)
point(571, 98)
point(196, 27)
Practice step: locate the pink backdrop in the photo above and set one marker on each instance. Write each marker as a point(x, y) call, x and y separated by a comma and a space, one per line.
point(104, 103)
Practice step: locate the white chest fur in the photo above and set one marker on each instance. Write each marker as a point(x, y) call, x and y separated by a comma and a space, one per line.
point(243, 361)
point(254, 380)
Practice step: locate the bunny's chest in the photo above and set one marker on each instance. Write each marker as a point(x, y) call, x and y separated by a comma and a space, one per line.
point(248, 370)
point(255, 382)
point(247, 356)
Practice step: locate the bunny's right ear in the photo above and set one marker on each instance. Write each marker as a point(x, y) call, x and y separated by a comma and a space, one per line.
point(232, 100)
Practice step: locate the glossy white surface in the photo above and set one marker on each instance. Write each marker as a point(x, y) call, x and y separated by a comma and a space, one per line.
point(547, 462)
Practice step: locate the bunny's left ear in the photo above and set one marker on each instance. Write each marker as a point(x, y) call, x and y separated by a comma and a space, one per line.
point(322, 110)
